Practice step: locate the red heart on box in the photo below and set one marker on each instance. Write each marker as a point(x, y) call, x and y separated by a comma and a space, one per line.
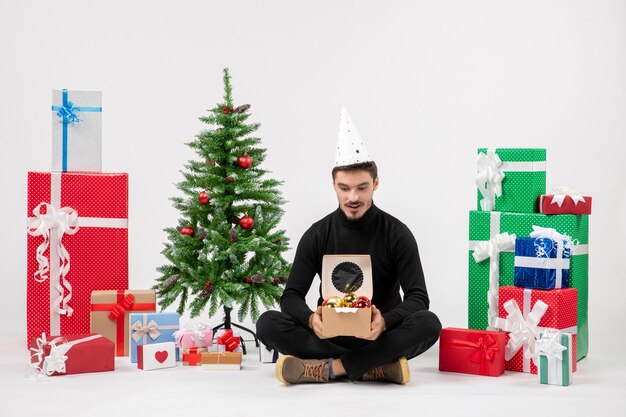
point(161, 356)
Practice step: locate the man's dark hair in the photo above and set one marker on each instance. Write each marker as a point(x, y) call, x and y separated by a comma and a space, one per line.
point(361, 166)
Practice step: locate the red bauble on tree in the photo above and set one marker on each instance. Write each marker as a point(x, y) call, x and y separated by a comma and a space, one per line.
point(187, 231)
point(248, 280)
point(246, 222)
point(244, 161)
point(203, 197)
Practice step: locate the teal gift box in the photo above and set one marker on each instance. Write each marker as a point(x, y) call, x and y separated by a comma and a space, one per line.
point(555, 366)
point(149, 328)
point(484, 226)
point(510, 180)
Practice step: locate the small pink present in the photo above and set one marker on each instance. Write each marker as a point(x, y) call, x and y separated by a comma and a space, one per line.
point(195, 336)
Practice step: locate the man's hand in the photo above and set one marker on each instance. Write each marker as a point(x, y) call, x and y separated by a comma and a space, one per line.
point(377, 326)
point(315, 323)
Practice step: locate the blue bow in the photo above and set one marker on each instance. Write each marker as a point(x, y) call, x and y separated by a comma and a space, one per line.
point(66, 113)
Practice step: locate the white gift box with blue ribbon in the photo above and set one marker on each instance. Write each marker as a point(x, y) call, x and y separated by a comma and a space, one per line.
point(542, 260)
point(149, 328)
point(76, 131)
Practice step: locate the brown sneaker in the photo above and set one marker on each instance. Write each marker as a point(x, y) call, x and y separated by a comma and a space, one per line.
point(396, 371)
point(292, 370)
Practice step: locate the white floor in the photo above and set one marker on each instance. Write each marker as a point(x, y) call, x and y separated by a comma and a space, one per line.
point(598, 390)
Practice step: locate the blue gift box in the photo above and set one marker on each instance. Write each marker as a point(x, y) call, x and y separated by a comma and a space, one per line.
point(149, 328)
point(541, 263)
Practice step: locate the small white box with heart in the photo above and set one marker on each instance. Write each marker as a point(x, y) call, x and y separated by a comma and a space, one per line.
point(156, 356)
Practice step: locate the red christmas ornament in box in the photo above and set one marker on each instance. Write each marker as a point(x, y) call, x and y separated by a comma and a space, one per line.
point(246, 222)
point(362, 302)
point(92, 210)
point(554, 309)
point(479, 352)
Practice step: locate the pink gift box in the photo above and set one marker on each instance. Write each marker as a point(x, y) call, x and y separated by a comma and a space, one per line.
point(187, 338)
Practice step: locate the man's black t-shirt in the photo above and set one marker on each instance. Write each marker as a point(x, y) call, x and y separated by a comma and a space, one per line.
point(395, 263)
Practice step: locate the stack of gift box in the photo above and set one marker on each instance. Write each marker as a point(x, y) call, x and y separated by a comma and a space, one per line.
point(528, 273)
point(80, 314)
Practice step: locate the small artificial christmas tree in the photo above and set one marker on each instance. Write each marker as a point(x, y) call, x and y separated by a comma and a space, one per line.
point(226, 250)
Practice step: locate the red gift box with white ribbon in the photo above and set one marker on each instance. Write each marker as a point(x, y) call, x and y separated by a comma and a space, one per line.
point(525, 313)
point(79, 216)
point(73, 354)
point(563, 200)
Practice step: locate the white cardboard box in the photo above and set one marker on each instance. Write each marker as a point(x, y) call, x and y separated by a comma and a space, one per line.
point(156, 356)
point(76, 131)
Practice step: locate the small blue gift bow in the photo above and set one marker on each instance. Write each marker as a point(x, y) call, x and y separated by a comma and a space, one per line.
point(68, 116)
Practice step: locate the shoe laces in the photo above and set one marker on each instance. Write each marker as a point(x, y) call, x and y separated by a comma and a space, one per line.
point(314, 369)
point(377, 373)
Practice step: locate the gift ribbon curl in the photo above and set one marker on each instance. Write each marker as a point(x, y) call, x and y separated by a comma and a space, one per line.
point(56, 359)
point(491, 249)
point(523, 330)
point(489, 179)
point(52, 226)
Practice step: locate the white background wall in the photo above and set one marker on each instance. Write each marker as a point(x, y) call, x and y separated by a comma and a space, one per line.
point(426, 82)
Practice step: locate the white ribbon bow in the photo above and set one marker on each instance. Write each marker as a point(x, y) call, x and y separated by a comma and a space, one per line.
point(489, 178)
point(548, 344)
point(55, 361)
point(559, 194)
point(491, 249)
point(561, 240)
point(523, 331)
point(152, 329)
point(58, 223)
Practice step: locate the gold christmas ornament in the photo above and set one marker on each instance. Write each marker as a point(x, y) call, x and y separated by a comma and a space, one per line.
point(349, 299)
point(332, 302)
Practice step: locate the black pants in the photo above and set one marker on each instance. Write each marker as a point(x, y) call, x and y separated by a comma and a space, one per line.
point(415, 335)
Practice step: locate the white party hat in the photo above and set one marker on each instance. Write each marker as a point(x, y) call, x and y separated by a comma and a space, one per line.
point(350, 147)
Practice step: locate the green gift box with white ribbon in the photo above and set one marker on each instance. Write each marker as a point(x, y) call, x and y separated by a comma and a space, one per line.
point(510, 180)
point(491, 235)
point(555, 365)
